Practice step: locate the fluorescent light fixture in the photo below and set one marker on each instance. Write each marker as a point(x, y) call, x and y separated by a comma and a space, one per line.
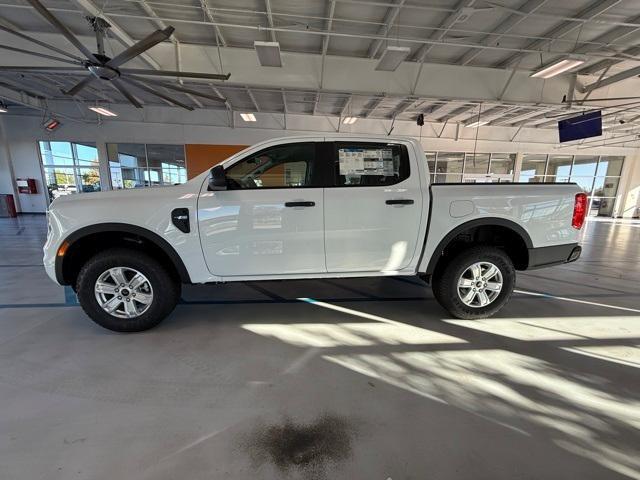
point(103, 111)
point(349, 120)
point(476, 124)
point(268, 53)
point(392, 57)
point(556, 68)
point(248, 117)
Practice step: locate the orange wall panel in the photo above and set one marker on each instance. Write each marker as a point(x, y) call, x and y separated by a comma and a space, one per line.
point(202, 157)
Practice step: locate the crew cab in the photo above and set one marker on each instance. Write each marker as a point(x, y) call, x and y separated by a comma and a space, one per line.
point(308, 207)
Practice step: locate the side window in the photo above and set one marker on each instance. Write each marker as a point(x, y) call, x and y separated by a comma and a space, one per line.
point(369, 164)
point(284, 166)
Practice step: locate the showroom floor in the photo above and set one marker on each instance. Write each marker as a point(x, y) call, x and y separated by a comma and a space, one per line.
point(364, 378)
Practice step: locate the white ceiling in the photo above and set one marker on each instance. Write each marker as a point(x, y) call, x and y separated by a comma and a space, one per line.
point(500, 34)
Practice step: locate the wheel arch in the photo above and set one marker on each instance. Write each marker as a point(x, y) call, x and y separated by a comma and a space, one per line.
point(487, 231)
point(86, 241)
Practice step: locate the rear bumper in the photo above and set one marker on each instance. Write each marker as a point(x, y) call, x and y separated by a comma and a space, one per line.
point(555, 255)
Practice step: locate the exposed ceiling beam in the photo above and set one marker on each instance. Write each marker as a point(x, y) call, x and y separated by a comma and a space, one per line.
point(388, 21)
point(209, 15)
point(89, 7)
point(345, 106)
point(341, 34)
point(267, 4)
point(448, 22)
point(253, 99)
point(618, 77)
point(372, 106)
point(461, 113)
point(608, 38)
point(441, 110)
point(16, 94)
point(6, 23)
point(529, 7)
point(404, 105)
point(605, 63)
point(523, 116)
point(491, 114)
point(331, 8)
point(563, 28)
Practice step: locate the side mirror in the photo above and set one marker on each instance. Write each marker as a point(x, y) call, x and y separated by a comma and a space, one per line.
point(217, 179)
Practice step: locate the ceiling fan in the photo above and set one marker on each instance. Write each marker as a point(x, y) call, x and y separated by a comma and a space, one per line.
point(100, 67)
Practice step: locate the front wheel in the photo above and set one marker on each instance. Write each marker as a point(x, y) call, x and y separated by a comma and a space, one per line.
point(476, 283)
point(126, 290)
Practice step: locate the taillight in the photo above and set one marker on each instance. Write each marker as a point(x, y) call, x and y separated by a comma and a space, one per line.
point(579, 211)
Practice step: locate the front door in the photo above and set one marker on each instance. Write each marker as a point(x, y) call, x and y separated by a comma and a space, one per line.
point(374, 209)
point(270, 219)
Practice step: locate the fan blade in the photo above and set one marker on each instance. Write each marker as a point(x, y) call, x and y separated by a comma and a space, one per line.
point(158, 94)
point(38, 42)
point(179, 88)
point(117, 84)
point(42, 10)
point(37, 54)
point(142, 46)
point(23, 68)
point(169, 73)
point(80, 85)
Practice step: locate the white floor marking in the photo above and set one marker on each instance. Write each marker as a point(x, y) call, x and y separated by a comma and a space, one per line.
point(575, 300)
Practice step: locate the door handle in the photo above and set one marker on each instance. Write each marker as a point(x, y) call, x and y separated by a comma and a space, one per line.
point(400, 201)
point(300, 204)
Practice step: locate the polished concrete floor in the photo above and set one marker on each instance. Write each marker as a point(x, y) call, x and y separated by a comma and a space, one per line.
point(348, 379)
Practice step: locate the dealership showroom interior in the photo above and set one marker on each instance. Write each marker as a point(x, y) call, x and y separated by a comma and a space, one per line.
point(319, 239)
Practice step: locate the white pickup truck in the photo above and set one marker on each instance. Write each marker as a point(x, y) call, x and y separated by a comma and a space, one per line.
point(308, 207)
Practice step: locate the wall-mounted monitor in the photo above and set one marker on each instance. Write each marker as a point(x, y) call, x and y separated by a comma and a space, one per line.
point(583, 126)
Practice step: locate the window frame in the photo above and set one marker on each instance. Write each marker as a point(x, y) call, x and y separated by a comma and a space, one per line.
point(144, 170)
point(75, 166)
point(318, 165)
point(334, 166)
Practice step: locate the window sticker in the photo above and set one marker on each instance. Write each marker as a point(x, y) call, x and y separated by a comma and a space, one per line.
point(363, 161)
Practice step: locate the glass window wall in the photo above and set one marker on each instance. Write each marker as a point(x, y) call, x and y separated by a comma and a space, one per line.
point(135, 165)
point(69, 167)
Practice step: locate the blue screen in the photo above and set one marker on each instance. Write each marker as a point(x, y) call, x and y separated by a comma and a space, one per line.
point(584, 126)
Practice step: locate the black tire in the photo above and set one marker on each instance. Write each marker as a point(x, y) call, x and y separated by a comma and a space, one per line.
point(445, 284)
point(166, 289)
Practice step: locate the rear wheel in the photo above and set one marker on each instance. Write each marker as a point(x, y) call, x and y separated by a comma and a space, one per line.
point(126, 290)
point(476, 283)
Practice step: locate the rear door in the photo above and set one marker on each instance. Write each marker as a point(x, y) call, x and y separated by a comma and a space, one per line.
point(373, 207)
point(270, 219)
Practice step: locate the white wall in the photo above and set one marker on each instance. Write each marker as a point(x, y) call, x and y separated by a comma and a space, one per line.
point(168, 125)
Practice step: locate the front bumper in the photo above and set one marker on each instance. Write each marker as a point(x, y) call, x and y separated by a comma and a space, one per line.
point(555, 255)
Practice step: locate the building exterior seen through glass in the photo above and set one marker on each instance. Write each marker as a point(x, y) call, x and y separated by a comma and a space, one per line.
point(135, 165)
point(597, 176)
point(69, 167)
point(458, 167)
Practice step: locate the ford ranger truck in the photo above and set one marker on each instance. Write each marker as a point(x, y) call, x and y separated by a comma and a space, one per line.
point(308, 207)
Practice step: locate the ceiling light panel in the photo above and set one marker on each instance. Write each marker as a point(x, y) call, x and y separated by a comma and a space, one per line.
point(248, 117)
point(558, 67)
point(349, 120)
point(391, 58)
point(477, 124)
point(268, 53)
point(103, 111)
